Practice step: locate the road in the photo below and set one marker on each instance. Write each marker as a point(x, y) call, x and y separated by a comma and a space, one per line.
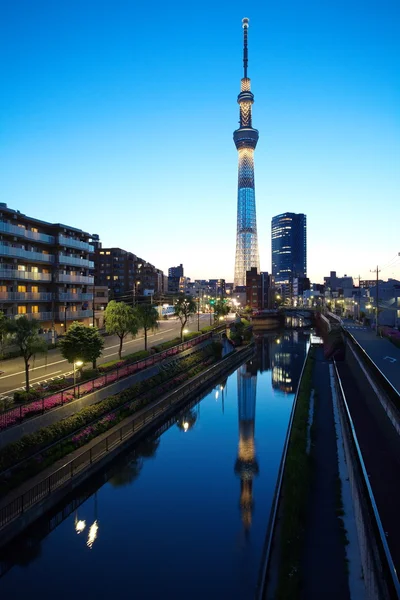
point(382, 352)
point(54, 365)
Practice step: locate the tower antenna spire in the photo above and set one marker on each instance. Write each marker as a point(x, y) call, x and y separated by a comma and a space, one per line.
point(245, 25)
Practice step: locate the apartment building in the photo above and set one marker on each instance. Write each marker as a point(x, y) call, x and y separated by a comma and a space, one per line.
point(44, 270)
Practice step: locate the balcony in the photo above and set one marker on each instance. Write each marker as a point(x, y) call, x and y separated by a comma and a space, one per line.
point(72, 315)
point(65, 297)
point(88, 279)
point(24, 275)
point(39, 316)
point(26, 254)
point(76, 261)
point(26, 234)
point(25, 297)
point(64, 240)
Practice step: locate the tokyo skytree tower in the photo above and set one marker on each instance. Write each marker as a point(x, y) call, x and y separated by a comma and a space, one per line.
point(246, 139)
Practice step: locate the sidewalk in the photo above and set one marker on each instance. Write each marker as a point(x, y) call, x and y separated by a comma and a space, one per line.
point(323, 563)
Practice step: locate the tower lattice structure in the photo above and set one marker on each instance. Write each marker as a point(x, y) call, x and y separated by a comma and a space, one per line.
point(246, 138)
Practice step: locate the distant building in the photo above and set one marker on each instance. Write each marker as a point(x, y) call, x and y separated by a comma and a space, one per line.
point(289, 250)
point(175, 279)
point(259, 290)
point(100, 298)
point(45, 270)
point(337, 284)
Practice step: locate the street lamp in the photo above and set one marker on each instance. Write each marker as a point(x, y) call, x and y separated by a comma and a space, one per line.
point(77, 363)
point(184, 332)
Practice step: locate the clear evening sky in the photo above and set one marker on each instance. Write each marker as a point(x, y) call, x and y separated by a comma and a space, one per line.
point(117, 118)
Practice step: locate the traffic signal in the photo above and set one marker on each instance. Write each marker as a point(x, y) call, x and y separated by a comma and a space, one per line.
point(212, 301)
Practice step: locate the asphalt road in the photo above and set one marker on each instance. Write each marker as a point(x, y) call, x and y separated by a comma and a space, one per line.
point(385, 355)
point(54, 365)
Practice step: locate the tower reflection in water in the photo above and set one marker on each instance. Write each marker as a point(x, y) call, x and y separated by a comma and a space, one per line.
point(246, 465)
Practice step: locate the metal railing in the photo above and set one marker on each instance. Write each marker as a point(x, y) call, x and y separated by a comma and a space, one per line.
point(78, 297)
point(65, 259)
point(26, 296)
point(277, 494)
point(39, 316)
point(385, 571)
point(26, 275)
point(77, 314)
point(73, 467)
point(15, 415)
point(75, 278)
point(64, 240)
point(28, 254)
point(26, 233)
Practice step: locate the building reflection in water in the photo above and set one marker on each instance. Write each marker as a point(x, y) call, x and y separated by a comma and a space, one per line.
point(246, 465)
point(287, 358)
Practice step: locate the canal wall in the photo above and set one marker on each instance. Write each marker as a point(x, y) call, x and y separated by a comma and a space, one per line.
point(32, 500)
point(28, 426)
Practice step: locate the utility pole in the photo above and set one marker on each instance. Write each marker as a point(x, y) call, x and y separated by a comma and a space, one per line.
point(377, 298)
point(198, 310)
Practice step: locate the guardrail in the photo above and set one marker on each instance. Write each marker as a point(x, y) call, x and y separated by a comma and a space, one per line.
point(72, 468)
point(278, 487)
point(383, 381)
point(15, 415)
point(384, 569)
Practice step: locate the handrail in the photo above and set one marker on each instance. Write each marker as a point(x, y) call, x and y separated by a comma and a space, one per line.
point(391, 389)
point(383, 547)
point(277, 494)
point(68, 394)
point(36, 493)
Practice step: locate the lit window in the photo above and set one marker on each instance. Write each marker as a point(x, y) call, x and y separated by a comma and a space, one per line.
point(34, 289)
point(101, 252)
point(3, 288)
point(35, 308)
point(44, 270)
point(108, 252)
point(34, 270)
point(22, 310)
point(115, 278)
point(21, 226)
point(34, 229)
point(21, 268)
point(22, 288)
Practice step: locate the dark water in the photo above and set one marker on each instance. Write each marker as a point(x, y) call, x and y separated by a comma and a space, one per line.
point(185, 515)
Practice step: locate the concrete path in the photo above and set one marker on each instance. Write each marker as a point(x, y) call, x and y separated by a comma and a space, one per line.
point(384, 354)
point(323, 564)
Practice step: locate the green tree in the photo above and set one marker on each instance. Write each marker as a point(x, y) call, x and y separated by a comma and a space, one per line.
point(184, 308)
point(147, 317)
point(81, 343)
point(3, 331)
point(221, 309)
point(120, 320)
point(24, 334)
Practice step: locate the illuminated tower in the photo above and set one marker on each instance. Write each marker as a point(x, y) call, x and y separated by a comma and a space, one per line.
point(246, 139)
point(246, 464)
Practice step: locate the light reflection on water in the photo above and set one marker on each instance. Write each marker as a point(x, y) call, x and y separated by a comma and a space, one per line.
point(185, 514)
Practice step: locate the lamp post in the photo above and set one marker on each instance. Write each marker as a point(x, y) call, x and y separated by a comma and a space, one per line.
point(198, 310)
point(77, 363)
point(65, 318)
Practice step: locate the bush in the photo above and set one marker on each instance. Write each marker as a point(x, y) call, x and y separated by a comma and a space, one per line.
point(89, 374)
point(22, 396)
point(128, 359)
point(166, 345)
point(191, 335)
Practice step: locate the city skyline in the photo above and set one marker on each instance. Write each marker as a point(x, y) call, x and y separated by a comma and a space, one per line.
point(109, 119)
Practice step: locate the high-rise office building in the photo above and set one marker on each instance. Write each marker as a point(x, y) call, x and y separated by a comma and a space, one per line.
point(246, 138)
point(289, 249)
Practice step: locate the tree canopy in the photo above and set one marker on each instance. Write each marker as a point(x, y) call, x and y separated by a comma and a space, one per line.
point(25, 335)
point(147, 317)
point(120, 320)
point(221, 309)
point(184, 308)
point(81, 343)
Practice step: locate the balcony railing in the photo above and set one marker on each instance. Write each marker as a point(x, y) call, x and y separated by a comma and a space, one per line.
point(25, 275)
point(25, 233)
point(73, 260)
point(39, 316)
point(65, 297)
point(26, 296)
point(88, 279)
point(64, 240)
point(73, 315)
point(27, 254)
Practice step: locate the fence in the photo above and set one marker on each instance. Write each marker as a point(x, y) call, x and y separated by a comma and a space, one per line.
point(14, 415)
point(72, 468)
point(380, 578)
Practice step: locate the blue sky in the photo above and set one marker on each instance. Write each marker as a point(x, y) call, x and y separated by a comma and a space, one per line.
point(117, 117)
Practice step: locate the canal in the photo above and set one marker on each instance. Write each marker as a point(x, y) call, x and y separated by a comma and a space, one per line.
point(185, 513)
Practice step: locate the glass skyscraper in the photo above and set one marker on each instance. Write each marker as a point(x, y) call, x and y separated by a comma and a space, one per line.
point(246, 139)
point(289, 248)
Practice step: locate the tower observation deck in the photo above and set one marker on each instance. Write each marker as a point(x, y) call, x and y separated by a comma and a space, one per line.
point(246, 138)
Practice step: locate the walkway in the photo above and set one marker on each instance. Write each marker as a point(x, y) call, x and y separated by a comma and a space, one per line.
point(384, 354)
point(324, 569)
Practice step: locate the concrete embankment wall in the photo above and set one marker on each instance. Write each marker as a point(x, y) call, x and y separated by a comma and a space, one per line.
point(56, 414)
